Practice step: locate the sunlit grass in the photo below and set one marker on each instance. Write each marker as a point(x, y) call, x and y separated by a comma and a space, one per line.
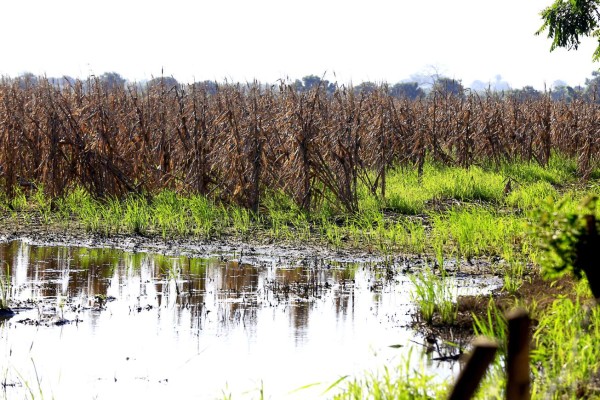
point(476, 231)
point(445, 212)
point(435, 294)
point(566, 352)
point(403, 382)
point(528, 197)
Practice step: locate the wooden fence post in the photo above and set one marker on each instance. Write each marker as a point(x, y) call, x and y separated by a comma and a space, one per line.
point(517, 360)
point(482, 355)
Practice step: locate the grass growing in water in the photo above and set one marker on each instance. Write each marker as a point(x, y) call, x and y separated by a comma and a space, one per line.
point(435, 294)
point(565, 355)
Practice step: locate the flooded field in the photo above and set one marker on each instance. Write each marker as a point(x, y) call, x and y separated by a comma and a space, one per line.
point(99, 323)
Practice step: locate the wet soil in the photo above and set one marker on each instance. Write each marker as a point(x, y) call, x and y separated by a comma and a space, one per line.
point(31, 229)
point(28, 227)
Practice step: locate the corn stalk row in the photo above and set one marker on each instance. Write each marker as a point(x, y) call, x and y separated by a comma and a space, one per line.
point(234, 143)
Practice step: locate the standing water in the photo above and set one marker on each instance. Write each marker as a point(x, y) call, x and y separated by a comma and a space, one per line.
point(108, 324)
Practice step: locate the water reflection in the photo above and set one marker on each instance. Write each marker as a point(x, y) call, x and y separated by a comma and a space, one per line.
point(150, 326)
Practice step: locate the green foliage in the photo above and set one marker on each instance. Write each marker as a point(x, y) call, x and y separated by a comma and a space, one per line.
point(435, 294)
point(559, 170)
point(475, 231)
point(513, 277)
point(568, 21)
point(284, 218)
point(405, 382)
point(408, 194)
point(493, 326)
point(136, 216)
point(530, 197)
point(42, 204)
point(566, 351)
point(560, 229)
point(19, 200)
point(470, 184)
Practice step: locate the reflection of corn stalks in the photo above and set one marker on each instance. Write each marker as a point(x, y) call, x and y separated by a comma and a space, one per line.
point(61, 302)
point(5, 289)
point(174, 274)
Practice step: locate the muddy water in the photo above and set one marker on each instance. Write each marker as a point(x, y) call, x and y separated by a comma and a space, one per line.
point(107, 324)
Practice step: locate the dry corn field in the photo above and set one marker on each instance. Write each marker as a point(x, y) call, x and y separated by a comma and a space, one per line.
point(233, 143)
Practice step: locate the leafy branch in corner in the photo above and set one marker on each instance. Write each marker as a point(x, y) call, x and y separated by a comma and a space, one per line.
point(569, 241)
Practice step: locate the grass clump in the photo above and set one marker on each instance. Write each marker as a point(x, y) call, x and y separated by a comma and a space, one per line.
point(566, 353)
point(405, 382)
point(409, 194)
point(470, 184)
point(531, 196)
point(475, 231)
point(560, 170)
point(435, 295)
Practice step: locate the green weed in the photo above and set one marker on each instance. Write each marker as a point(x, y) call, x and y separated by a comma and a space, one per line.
point(513, 277)
point(476, 231)
point(566, 351)
point(435, 294)
point(403, 382)
point(494, 325)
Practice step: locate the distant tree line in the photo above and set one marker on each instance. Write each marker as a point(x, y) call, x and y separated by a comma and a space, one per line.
point(411, 90)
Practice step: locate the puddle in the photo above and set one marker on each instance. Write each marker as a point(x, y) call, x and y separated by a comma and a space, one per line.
point(106, 324)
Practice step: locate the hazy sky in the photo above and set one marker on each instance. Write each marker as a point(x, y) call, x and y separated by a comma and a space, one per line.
point(242, 40)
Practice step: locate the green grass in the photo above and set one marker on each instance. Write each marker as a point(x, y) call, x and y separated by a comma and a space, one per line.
point(530, 196)
point(408, 194)
point(476, 231)
point(403, 382)
point(566, 352)
point(560, 170)
point(513, 277)
point(435, 294)
point(446, 212)
point(492, 325)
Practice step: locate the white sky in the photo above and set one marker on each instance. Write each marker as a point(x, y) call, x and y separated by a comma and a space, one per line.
point(242, 40)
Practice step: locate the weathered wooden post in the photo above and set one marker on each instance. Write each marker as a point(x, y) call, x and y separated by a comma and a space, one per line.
point(482, 355)
point(517, 360)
